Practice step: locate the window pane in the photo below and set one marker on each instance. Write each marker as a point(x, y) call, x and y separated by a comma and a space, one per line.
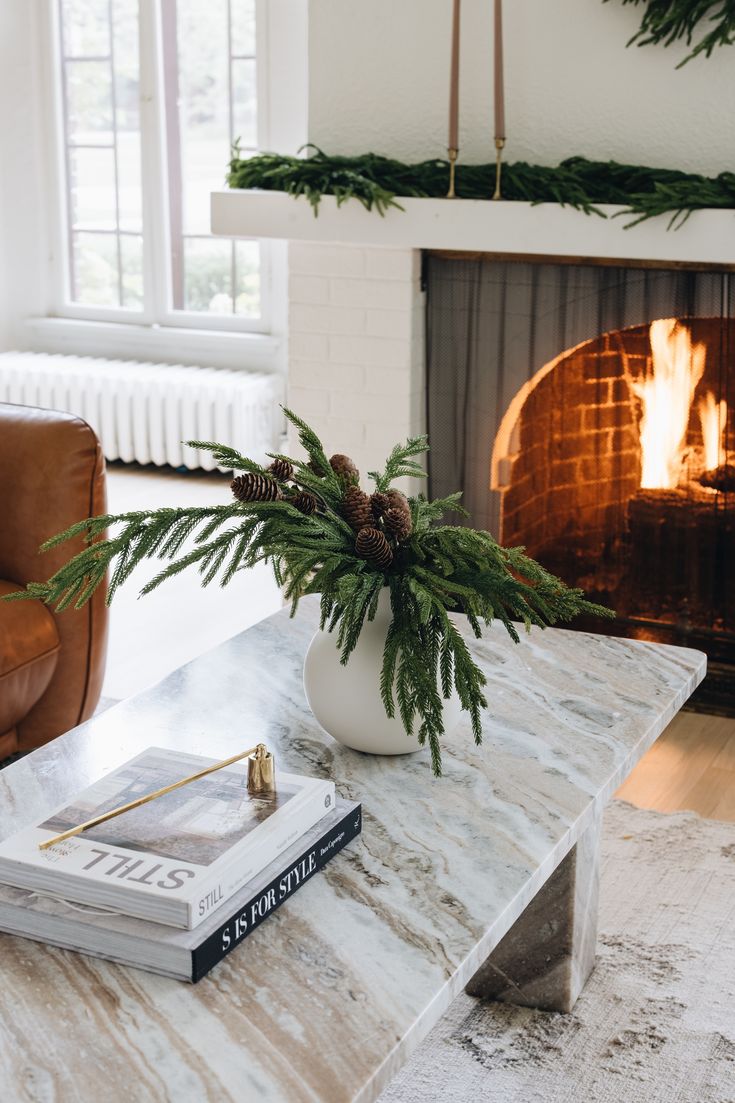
point(127, 68)
point(244, 117)
point(212, 73)
point(127, 113)
point(203, 106)
point(86, 28)
point(92, 189)
point(131, 255)
point(128, 179)
point(102, 135)
point(243, 28)
point(208, 275)
point(89, 102)
point(247, 278)
point(95, 269)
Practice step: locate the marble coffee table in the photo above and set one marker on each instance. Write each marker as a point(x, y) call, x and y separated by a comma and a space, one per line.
point(486, 878)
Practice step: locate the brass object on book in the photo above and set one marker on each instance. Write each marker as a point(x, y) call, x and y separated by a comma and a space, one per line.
point(499, 146)
point(453, 155)
point(261, 771)
point(264, 780)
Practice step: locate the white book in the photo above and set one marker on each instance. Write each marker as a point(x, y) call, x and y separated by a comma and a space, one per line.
point(185, 955)
point(178, 857)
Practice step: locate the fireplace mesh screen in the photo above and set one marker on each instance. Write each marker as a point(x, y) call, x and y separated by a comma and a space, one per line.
point(588, 412)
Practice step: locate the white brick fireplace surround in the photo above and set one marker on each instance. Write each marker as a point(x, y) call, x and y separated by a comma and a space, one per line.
point(356, 310)
point(356, 346)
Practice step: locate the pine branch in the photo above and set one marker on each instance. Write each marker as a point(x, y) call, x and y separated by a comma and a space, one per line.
point(313, 447)
point(227, 457)
point(667, 21)
point(399, 463)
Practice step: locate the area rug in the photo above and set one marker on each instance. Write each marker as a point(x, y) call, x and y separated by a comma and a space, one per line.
point(656, 1020)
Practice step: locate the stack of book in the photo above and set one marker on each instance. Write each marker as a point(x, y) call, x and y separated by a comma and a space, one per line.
point(177, 883)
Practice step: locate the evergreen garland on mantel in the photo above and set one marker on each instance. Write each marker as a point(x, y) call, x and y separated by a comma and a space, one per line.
point(378, 183)
point(323, 534)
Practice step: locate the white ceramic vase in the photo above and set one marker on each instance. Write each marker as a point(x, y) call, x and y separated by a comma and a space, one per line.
point(346, 699)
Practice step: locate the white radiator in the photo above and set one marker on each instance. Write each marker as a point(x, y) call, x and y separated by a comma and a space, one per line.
point(143, 412)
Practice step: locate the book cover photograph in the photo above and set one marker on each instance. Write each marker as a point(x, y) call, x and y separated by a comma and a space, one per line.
point(197, 824)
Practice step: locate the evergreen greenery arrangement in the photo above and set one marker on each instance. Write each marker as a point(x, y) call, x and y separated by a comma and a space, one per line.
point(376, 181)
point(667, 21)
point(324, 535)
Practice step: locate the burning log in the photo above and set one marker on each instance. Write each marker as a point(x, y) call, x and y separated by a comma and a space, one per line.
point(682, 551)
point(722, 478)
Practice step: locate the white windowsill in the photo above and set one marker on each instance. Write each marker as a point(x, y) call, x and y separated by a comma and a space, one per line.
point(162, 344)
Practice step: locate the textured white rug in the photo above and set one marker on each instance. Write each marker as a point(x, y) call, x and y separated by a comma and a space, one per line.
point(656, 1021)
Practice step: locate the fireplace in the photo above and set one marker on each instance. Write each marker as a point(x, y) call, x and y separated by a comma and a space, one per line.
point(588, 413)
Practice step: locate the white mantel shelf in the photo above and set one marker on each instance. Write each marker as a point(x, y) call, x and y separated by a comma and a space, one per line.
point(708, 237)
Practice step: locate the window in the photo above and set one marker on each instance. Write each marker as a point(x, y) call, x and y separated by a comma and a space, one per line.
point(150, 97)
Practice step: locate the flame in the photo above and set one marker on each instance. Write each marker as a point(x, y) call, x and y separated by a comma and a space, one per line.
point(666, 395)
point(713, 416)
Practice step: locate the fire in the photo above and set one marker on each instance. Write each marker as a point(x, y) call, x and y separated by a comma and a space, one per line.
point(666, 395)
point(713, 416)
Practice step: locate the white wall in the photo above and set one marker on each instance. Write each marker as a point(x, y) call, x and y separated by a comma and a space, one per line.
point(356, 347)
point(379, 81)
point(23, 201)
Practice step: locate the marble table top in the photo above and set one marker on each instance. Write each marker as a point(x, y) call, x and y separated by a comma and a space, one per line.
point(327, 999)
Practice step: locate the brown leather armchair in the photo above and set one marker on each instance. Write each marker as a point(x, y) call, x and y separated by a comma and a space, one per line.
point(52, 473)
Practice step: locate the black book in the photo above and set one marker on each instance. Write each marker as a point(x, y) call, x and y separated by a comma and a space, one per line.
point(185, 955)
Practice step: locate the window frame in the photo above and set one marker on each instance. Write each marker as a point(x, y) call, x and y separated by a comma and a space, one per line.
point(157, 315)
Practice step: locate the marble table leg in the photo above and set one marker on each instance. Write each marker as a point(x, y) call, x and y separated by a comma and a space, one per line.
point(546, 956)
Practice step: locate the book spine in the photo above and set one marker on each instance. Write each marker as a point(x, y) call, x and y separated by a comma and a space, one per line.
point(251, 914)
point(215, 893)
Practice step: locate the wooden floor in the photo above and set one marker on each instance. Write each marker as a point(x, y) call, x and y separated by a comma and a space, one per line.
point(691, 767)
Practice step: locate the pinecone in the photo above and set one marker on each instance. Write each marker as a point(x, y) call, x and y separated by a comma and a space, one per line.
point(344, 468)
point(720, 478)
point(397, 523)
point(255, 488)
point(305, 502)
point(281, 470)
point(373, 546)
point(391, 499)
point(356, 508)
point(398, 501)
point(379, 503)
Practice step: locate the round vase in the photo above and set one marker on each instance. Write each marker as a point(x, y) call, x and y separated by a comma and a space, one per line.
point(346, 699)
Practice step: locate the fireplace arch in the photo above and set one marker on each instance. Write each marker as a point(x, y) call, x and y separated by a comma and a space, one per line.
point(566, 456)
point(534, 411)
point(567, 464)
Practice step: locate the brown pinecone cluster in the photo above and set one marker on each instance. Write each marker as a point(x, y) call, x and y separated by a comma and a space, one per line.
point(273, 487)
point(381, 520)
point(393, 508)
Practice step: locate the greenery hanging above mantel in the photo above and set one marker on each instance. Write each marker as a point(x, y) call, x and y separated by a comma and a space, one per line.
point(379, 182)
point(668, 21)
